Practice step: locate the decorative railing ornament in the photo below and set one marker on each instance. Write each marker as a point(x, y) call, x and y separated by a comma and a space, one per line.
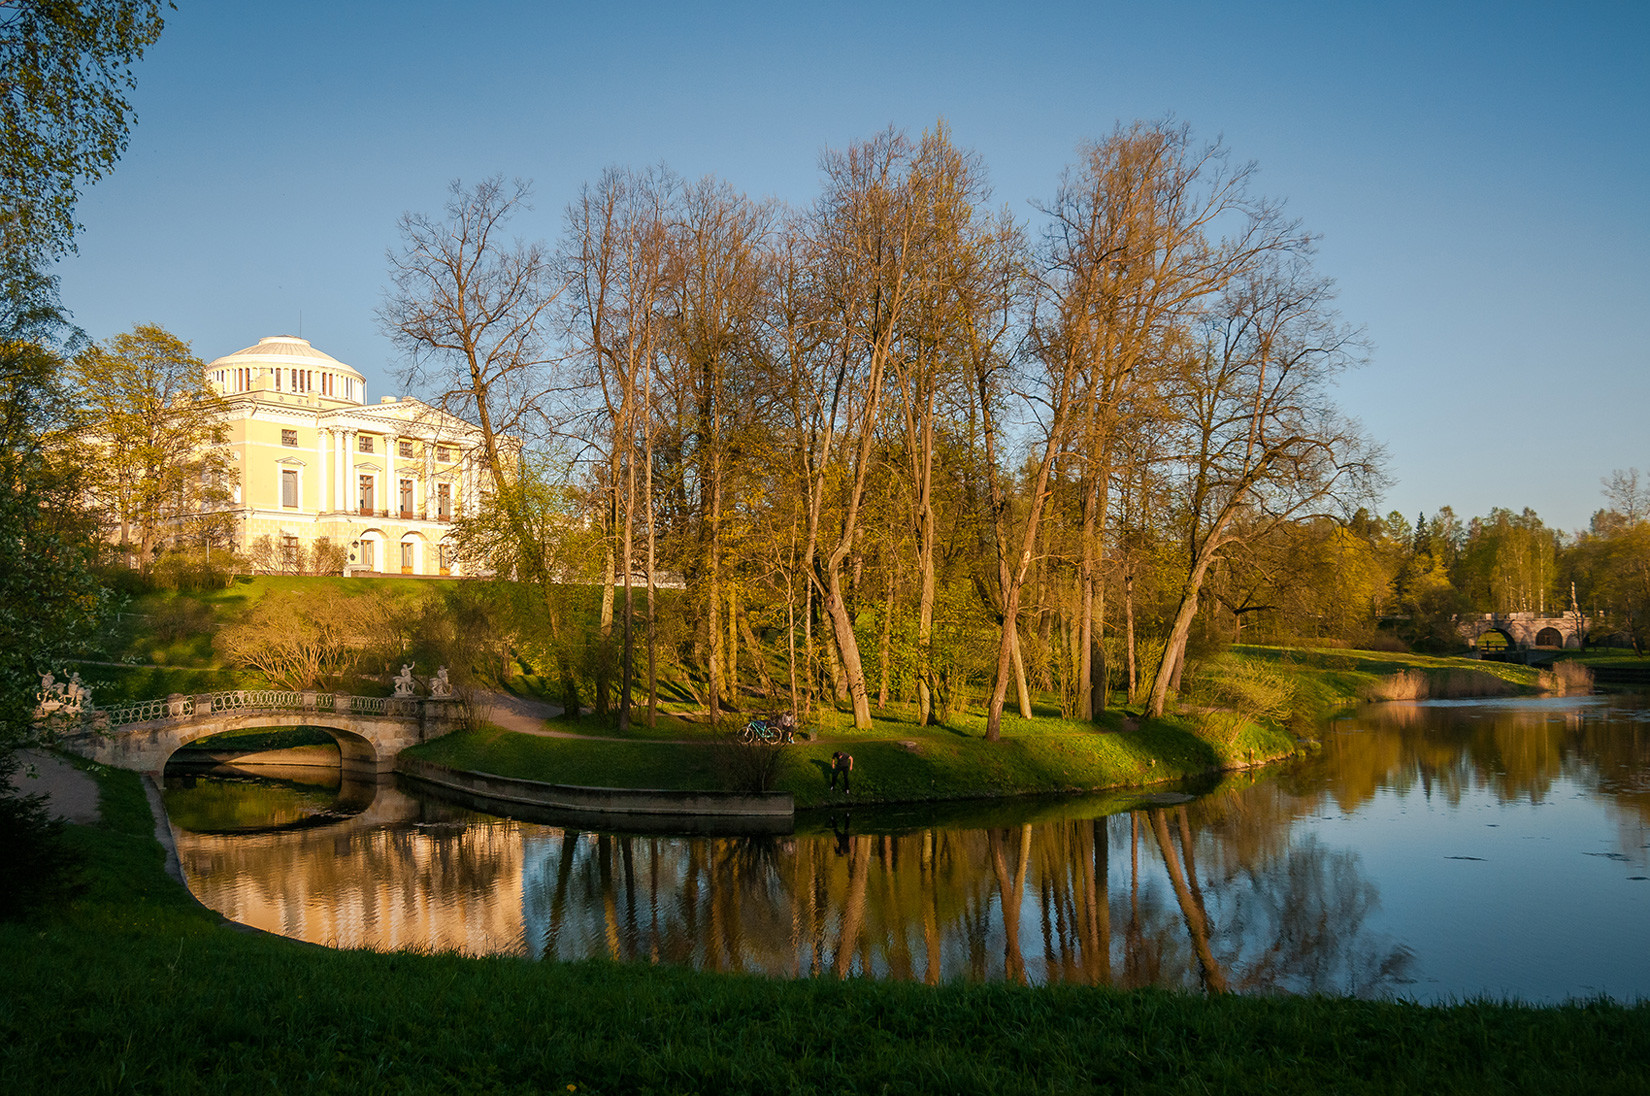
point(180, 706)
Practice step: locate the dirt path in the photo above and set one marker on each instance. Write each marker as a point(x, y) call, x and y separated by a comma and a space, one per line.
point(71, 793)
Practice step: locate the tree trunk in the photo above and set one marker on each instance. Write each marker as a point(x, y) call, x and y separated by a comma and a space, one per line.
point(842, 629)
point(1175, 649)
point(884, 650)
point(1021, 689)
point(754, 645)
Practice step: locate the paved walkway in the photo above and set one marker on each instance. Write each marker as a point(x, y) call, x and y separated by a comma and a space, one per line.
point(71, 793)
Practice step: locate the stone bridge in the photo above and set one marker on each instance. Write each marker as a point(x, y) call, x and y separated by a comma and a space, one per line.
point(1524, 631)
point(370, 730)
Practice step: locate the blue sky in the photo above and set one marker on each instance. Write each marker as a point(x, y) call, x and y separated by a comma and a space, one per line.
point(1478, 172)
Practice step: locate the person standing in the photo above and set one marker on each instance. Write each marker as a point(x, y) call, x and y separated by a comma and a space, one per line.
point(841, 765)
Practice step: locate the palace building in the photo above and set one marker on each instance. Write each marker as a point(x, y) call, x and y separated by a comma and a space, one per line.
point(314, 460)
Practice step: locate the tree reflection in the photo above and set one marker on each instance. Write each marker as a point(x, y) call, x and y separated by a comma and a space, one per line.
point(1226, 892)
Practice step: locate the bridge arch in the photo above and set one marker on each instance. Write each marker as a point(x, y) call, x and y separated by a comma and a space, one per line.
point(356, 753)
point(1523, 630)
point(370, 731)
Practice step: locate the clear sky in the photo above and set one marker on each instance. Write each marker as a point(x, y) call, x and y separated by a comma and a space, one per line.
point(1479, 172)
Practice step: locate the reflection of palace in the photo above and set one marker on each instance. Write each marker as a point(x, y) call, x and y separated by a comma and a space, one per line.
point(314, 461)
point(365, 884)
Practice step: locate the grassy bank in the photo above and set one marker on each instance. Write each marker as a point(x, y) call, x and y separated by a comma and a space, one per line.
point(1328, 680)
point(134, 988)
point(894, 762)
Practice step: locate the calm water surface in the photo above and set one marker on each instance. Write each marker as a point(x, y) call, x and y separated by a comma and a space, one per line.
point(1429, 851)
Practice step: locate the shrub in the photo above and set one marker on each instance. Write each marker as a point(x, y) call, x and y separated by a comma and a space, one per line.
point(1567, 678)
point(749, 766)
point(39, 868)
point(1251, 688)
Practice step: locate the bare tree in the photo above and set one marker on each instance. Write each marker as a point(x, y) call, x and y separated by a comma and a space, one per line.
point(1261, 442)
point(470, 307)
point(864, 237)
point(1133, 250)
point(617, 268)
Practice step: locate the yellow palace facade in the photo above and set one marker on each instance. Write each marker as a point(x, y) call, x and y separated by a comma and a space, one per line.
point(313, 460)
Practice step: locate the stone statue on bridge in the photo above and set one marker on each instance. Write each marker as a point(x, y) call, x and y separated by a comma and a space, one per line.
point(404, 684)
point(439, 685)
point(62, 697)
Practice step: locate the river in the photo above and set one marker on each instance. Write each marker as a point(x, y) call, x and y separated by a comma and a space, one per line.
point(1429, 851)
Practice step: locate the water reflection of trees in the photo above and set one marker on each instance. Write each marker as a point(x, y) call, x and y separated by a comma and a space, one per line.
point(1027, 903)
point(1518, 752)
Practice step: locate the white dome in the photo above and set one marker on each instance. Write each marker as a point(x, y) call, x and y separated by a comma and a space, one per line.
point(284, 350)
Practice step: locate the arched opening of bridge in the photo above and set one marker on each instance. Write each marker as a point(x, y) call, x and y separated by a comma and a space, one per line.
point(1494, 641)
point(1549, 637)
point(269, 778)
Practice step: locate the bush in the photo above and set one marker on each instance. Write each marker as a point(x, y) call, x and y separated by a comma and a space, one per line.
point(749, 766)
point(1567, 678)
point(39, 868)
point(1251, 688)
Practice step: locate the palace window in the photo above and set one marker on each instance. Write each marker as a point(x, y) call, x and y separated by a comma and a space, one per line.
point(442, 453)
point(406, 498)
point(406, 557)
point(289, 438)
point(289, 488)
point(405, 448)
point(368, 559)
point(444, 501)
point(364, 443)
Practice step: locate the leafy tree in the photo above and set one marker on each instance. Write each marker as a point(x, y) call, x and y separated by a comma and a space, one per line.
point(164, 474)
point(1508, 563)
point(63, 121)
point(49, 600)
point(65, 72)
point(1611, 567)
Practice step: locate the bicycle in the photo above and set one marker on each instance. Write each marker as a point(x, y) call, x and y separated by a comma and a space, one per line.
point(780, 730)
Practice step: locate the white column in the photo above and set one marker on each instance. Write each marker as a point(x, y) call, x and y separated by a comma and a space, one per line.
point(320, 471)
point(350, 501)
point(429, 478)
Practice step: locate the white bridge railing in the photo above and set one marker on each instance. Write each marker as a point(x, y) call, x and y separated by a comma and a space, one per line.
point(260, 700)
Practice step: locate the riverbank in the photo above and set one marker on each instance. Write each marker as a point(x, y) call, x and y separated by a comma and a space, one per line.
point(897, 762)
point(894, 762)
point(135, 988)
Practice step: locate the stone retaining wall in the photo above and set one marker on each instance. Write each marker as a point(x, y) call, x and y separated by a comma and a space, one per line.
point(628, 808)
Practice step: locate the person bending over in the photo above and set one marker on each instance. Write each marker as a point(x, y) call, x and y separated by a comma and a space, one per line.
point(841, 765)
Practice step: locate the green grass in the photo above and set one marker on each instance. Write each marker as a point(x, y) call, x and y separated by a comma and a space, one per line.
point(894, 762)
point(1329, 679)
point(134, 988)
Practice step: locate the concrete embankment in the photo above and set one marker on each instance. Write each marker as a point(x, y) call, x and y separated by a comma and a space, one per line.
point(632, 809)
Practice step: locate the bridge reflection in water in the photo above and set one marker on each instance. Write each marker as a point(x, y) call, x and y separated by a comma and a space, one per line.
point(1097, 900)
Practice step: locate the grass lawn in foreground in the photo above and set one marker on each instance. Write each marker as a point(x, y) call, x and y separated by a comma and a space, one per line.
point(134, 988)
